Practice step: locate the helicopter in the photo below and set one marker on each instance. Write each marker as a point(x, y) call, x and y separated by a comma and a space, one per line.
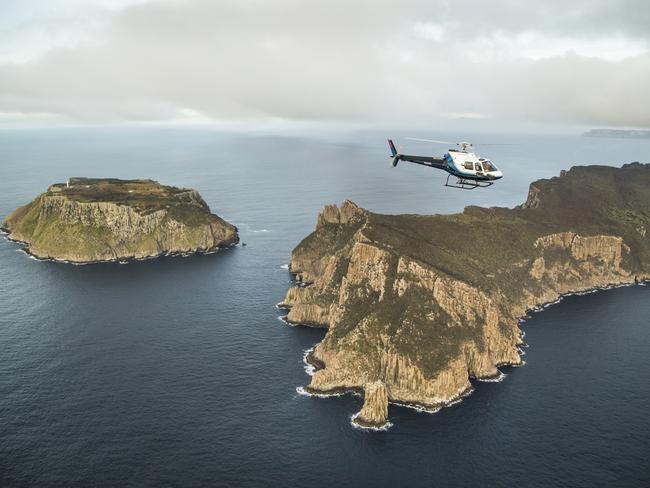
point(470, 170)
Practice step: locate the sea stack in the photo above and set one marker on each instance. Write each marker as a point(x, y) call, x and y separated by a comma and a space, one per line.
point(103, 219)
point(374, 413)
point(416, 306)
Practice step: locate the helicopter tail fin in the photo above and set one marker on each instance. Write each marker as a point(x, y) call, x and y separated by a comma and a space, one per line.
point(392, 147)
point(393, 151)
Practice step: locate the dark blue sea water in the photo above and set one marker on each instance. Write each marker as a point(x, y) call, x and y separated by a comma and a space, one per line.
point(177, 372)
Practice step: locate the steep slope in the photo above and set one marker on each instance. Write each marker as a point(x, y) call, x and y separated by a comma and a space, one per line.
point(415, 306)
point(88, 220)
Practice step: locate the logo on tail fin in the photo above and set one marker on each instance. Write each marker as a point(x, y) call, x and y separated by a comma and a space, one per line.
point(393, 151)
point(392, 147)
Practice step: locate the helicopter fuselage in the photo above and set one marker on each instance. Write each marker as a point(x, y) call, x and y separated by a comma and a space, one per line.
point(469, 166)
point(471, 170)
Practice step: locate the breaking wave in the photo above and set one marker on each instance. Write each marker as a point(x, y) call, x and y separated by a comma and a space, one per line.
point(379, 428)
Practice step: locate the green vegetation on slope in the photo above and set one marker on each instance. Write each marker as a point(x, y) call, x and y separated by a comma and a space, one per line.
point(440, 292)
point(95, 219)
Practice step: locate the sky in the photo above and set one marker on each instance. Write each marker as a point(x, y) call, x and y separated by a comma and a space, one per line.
point(250, 63)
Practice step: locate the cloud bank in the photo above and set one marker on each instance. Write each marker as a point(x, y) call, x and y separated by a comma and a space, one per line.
point(369, 62)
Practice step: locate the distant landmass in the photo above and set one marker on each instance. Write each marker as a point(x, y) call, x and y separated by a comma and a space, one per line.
point(417, 305)
point(618, 133)
point(104, 219)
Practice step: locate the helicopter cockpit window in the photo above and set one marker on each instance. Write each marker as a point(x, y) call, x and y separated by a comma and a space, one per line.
point(488, 166)
point(477, 167)
point(468, 165)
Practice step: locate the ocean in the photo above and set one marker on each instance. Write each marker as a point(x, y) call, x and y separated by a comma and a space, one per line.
point(177, 371)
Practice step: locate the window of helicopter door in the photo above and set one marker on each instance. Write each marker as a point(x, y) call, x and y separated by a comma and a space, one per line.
point(478, 168)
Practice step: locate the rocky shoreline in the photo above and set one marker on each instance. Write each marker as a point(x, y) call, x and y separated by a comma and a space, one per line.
point(86, 221)
point(312, 364)
point(24, 247)
point(418, 307)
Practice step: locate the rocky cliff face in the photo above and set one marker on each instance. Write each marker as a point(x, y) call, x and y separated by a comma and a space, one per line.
point(103, 220)
point(375, 406)
point(416, 306)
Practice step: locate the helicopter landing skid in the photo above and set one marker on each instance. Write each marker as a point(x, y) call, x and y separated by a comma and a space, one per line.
point(465, 184)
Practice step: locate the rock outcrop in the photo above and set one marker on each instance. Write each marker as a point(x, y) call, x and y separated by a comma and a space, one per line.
point(417, 306)
point(89, 220)
point(374, 412)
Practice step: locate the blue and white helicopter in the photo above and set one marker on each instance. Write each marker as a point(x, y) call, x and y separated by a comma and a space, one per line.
point(470, 170)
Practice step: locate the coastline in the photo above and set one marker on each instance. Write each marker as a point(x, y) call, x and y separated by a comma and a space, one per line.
point(24, 247)
point(366, 427)
point(312, 364)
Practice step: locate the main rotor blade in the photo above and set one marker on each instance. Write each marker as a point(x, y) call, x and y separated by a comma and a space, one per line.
point(428, 140)
point(499, 144)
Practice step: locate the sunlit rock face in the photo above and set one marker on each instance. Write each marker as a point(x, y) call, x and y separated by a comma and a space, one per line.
point(88, 220)
point(416, 306)
point(375, 406)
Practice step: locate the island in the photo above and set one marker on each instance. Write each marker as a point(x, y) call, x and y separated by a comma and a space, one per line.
point(416, 306)
point(87, 220)
point(618, 133)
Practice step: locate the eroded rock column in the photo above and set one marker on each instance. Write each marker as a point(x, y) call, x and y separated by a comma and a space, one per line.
point(374, 412)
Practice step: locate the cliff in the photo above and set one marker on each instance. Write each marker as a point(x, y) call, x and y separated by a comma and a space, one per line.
point(416, 306)
point(89, 220)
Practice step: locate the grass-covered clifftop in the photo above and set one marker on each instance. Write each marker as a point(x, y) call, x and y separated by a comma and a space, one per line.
point(104, 219)
point(417, 305)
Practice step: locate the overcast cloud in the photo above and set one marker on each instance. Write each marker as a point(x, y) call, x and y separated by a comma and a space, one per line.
point(369, 62)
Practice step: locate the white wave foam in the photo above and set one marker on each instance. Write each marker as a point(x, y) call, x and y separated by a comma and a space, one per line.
point(380, 428)
point(283, 319)
point(301, 391)
point(549, 304)
point(260, 231)
point(497, 379)
point(309, 368)
point(284, 266)
point(582, 293)
point(417, 408)
point(47, 260)
point(431, 410)
point(456, 401)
